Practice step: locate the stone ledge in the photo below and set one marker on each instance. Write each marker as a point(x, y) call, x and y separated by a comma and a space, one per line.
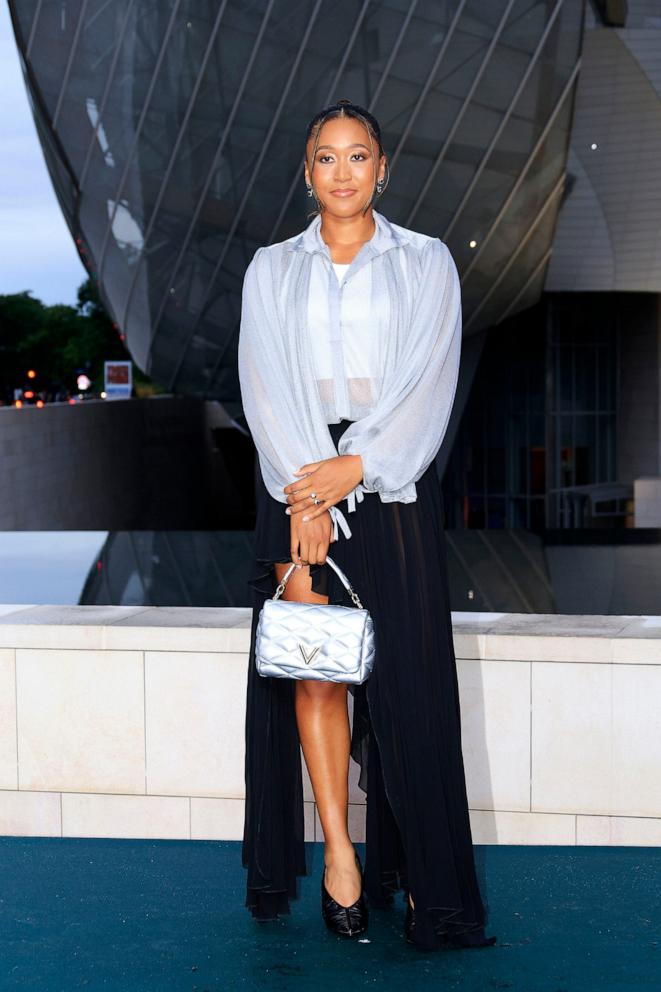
point(119, 628)
point(477, 636)
point(129, 721)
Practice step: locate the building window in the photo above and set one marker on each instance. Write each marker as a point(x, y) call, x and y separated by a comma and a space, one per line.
point(540, 420)
point(581, 335)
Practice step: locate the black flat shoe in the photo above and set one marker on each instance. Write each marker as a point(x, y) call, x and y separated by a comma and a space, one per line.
point(348, 921)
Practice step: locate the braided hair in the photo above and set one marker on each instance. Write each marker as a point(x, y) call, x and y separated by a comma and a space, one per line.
point(345, 108)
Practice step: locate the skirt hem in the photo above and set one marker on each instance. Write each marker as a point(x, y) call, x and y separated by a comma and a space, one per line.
point(406, 730)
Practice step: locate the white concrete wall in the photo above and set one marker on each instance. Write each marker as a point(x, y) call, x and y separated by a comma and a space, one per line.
point(129, 722)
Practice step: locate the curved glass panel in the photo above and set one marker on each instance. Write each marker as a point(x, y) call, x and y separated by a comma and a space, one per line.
point(173, 132)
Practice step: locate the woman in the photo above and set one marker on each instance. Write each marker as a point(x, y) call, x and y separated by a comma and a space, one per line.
point(348, 361)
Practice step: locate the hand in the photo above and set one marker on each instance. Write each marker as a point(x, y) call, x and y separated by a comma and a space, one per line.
point(331, 480)
point(309, 541)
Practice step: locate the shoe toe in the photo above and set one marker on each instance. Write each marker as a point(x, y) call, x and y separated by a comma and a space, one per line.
point(348, 921)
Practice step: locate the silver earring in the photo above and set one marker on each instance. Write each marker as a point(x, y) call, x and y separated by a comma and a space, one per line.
point(379, 186)
point(309, 190)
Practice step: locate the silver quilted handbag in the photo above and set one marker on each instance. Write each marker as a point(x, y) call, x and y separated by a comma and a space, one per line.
point(323, 641)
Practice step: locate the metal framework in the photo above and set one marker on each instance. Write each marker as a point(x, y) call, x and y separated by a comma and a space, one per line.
point(174, 289)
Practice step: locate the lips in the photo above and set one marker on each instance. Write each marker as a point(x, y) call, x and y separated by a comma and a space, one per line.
point(343, 192)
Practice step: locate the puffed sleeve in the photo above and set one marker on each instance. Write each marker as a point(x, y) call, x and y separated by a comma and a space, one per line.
point(404, 431)
point(273, 389)
point(265, 390)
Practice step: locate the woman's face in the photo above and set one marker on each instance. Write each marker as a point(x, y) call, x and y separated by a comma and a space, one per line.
point(343, 170)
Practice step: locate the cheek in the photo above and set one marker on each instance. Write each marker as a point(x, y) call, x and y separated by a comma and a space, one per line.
point(364, 172)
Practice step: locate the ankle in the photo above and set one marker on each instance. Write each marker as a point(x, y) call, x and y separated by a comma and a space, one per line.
point(339, 851)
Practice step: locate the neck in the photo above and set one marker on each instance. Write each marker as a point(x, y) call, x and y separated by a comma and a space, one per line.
point(347, 231)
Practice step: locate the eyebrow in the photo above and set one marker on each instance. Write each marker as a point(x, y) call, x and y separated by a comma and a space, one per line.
point(356, 144)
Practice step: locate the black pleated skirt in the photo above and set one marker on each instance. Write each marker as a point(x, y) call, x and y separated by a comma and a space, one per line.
point(406, 733)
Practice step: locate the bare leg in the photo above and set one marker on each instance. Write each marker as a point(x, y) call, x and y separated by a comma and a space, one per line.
point(324, 731)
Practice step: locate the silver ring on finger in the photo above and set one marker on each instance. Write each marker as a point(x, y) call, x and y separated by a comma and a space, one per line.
point(318, 501)
point(313, 496)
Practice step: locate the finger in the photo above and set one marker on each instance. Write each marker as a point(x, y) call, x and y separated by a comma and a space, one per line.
point(297, 494)
point(316, 511)
point(301, 505)
point(294, 486)
point(331, 537)
point(305, 550)
point(294, 552)
point(301, 494)
point(310, 467)
point(322, 550)
point(303, 473)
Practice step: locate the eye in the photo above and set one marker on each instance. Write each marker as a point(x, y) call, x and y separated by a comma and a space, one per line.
point(360, 155)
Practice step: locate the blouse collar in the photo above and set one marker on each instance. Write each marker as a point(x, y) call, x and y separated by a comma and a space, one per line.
point(385, 236)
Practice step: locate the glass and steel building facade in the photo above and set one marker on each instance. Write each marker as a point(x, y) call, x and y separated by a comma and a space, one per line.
point(173, 131)
point(525, 134)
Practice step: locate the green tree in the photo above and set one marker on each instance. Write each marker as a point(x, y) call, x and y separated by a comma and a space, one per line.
point(19, 314)
point(57, 341)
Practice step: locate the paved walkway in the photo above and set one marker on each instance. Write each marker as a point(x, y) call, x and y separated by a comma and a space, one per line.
point(168, 916)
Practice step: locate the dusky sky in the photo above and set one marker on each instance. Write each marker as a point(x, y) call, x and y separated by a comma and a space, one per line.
point(37, 252)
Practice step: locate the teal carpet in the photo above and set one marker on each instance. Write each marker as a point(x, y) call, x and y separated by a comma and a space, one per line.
point(155, 916)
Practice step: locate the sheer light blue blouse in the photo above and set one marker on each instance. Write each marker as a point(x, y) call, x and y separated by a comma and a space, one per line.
point(379, 346)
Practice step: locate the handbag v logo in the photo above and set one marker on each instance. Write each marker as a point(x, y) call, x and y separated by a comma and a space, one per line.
point(307, 658)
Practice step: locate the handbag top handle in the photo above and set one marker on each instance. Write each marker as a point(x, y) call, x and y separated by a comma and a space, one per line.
point(336, 568)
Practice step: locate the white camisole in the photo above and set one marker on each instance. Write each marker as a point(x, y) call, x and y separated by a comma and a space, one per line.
point(340, 268)
point(359, 349)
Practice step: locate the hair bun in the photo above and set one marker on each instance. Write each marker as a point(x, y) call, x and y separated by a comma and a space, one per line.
point(345, 101)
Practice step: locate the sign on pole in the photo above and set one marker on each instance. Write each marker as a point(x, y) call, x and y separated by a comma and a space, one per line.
point(118, 380)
